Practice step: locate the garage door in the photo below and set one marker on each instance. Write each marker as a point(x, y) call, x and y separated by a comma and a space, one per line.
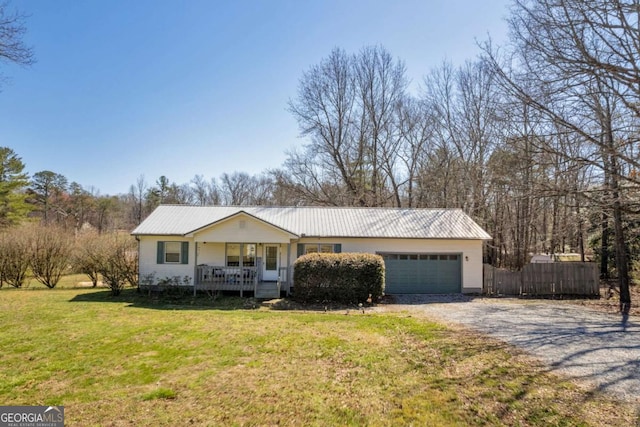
point(422, 273)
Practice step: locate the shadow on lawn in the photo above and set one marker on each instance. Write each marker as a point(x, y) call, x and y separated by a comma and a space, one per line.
point(178, 301)
point(420, 299)
point(203, 301)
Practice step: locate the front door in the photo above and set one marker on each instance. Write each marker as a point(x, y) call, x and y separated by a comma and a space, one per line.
point(270, 265)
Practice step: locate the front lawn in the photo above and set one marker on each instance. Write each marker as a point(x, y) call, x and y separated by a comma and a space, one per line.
point(133, 361)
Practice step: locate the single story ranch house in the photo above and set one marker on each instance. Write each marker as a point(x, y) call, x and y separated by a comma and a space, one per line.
point(252, 249)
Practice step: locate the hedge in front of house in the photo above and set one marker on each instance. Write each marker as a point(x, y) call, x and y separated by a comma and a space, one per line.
point(347, 278)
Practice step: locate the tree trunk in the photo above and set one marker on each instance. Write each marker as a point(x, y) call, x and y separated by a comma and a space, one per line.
point(604, 247)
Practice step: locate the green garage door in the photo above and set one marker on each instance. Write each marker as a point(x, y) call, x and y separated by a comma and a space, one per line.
point(422, 273)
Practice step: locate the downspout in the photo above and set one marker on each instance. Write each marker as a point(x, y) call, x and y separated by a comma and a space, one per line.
point(289, 275)
point(138, 242)
point(241, 264)
point(195, 265)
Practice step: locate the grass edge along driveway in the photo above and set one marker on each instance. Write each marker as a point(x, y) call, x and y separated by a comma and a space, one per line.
point(132, 361)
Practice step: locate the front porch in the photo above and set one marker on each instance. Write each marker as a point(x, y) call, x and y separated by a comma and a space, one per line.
point(240, 279)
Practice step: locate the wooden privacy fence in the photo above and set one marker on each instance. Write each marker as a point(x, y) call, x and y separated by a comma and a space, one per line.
point(544, 280)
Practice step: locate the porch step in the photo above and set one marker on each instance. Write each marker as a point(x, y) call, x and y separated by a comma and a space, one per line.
point(267, 290)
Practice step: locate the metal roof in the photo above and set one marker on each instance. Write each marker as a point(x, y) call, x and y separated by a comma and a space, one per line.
point(322, 222)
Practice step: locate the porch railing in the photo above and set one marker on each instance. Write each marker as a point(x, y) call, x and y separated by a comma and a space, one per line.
point(220, 278)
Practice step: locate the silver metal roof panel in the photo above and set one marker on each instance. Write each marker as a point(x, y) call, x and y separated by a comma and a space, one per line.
point(323, 222)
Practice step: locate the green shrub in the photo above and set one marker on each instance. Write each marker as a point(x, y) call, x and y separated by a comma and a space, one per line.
point(348, 278)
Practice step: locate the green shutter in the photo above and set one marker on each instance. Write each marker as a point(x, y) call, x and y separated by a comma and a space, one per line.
point(160, 252)
point(337, 248)
point(185, 253)
point(300, 249)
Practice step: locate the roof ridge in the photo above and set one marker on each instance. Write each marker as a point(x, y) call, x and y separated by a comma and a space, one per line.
point(307, 207)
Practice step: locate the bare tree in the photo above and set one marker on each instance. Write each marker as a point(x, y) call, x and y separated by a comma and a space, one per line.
point(201, 190)
point(236, 188)
point(380, 85)
point(87, 255)
point(50, 254)
point(578, 68)
point(116, 260)
point(414, 138)
point(79, 206)
point(137, 194)
point(15, 253)
point(12, 30)
point(346, 107)
point(325, 109)
point(464, 102)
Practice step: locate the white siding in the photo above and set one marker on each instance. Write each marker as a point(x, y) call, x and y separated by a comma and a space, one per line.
point(471, 251)
point(214, 253)
point(149, 261)
point(211, 253)
point(242, 229)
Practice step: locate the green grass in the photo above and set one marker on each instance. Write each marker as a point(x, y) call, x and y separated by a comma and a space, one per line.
point(135, 361)
point(161, 393)
point(68, 281)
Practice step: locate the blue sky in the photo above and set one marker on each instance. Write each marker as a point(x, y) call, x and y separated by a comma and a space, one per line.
point(178, 88)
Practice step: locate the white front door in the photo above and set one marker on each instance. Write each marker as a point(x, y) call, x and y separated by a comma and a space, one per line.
point(270, 264)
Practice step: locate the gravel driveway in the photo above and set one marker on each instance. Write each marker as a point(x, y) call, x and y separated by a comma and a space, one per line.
point(594, 347)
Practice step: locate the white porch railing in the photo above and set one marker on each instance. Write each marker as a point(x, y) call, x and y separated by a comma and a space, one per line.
point(219, 278)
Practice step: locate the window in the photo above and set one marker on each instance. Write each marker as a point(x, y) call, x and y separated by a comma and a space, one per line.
point(310, 249)
point(173, 253)
point(233, 254)
point(249, 254)
point(248, 251)
point(324, 248)
point(271, 258)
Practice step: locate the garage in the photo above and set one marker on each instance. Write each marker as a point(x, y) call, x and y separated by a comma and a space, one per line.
point(412, 273)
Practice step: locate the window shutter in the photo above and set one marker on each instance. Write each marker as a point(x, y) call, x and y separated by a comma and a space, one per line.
point(337, 248)
point(300, 249)
point(185, 253)
point(160, 253)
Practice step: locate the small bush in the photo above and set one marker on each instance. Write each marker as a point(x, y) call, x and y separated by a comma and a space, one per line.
point(347, 278)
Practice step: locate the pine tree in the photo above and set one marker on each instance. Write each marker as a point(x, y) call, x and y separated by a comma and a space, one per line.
point(13, 182)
